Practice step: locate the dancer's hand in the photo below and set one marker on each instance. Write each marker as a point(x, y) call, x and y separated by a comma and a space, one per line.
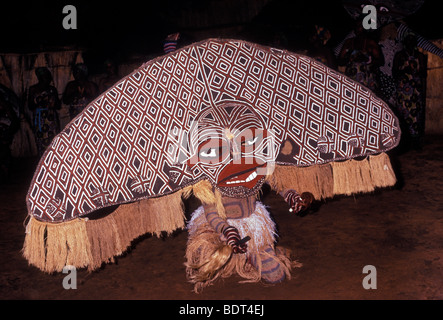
point(234, 240)
point(298, 203)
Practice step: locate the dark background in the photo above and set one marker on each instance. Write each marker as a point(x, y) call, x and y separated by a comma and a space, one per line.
point(117, 29)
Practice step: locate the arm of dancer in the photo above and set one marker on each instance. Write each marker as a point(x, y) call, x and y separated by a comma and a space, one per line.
point(222, 227)
point(403, 30)
point(297, 202)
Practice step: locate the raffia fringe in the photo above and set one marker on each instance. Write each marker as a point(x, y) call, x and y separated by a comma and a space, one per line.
point(90, 243)
point(315, 179)
point(352, 177)
point(381, 171)
point(204, 191)
point(336, 178)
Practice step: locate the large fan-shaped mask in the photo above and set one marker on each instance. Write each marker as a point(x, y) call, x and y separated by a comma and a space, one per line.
point(218, 110)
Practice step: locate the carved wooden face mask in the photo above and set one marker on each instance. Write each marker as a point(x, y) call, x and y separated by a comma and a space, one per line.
point(232, 148)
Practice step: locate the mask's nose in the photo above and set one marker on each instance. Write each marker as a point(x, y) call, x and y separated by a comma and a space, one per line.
point(234, 148)
point(235, 151)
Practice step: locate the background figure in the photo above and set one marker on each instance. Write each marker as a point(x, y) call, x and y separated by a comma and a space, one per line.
point(43, 101)
point(170, 43)
point(410, 71)
point(9, 124)
point(389, 45)
point(391, 41)
point(23, 143)
point(362, 57)
point(110, 78)
point(79, 92)
point(318, 48)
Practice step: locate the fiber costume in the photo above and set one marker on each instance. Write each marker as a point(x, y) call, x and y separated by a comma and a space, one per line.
point(215, 120)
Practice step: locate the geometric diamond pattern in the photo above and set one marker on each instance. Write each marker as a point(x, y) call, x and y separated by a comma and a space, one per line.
point(124, 146)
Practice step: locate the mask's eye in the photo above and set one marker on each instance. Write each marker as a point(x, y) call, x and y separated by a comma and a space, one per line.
point(209, 153)
point(213, 150)
point(250, 142)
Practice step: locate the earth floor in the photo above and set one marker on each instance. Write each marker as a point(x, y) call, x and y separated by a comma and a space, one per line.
point(399, 231)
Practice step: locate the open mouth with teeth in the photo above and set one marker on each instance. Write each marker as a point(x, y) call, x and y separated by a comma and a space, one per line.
point(245, 175)
point(251, 177)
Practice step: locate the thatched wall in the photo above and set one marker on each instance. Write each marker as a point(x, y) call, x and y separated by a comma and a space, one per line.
point(17, 72)
point(434, 96)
